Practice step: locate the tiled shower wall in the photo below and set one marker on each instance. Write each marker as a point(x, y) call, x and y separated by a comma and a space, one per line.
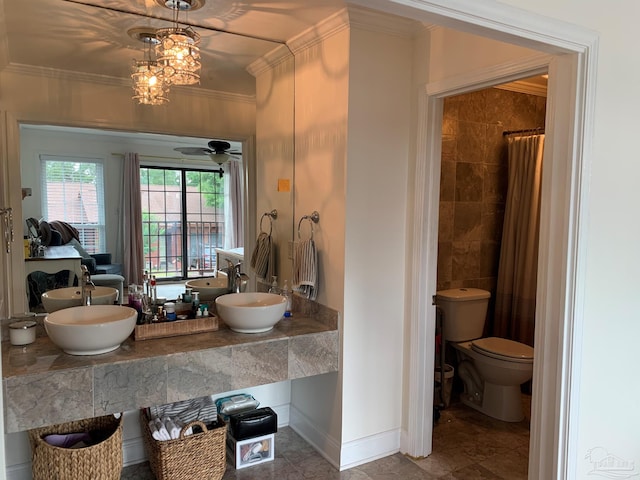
point(473, 184)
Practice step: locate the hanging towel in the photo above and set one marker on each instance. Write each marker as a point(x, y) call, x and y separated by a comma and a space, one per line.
point(305, 269)
point(263, 257)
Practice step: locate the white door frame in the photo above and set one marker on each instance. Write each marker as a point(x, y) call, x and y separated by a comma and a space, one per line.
point(564, 206)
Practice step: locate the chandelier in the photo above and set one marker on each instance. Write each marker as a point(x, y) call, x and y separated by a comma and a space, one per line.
point(177, 50)
point(149, 83)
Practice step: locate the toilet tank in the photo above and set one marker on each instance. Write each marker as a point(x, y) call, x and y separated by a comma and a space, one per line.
point(464, 312)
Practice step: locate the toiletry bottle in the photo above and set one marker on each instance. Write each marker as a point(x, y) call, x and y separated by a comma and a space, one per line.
point(170, 310)
point(286, 292)
point(196, 302)
point(153, 289)
point(274, 285)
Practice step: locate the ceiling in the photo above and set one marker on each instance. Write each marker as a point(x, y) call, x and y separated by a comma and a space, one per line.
point(91, 36)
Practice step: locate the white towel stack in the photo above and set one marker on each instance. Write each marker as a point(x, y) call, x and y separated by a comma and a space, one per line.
point(305, 269)
point(167, 429)
point(263, 259)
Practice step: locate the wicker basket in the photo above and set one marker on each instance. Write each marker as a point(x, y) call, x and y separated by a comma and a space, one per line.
point(200, 455)
point(102, 461)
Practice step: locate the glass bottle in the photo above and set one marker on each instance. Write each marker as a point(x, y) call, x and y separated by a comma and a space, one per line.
point(274, 285)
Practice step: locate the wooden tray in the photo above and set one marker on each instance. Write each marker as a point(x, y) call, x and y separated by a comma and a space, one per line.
point(176, 328)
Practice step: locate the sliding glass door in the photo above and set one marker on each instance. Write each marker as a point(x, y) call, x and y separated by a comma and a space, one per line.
point(182, 221)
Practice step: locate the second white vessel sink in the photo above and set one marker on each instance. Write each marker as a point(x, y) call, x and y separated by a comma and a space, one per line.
point(251, 312)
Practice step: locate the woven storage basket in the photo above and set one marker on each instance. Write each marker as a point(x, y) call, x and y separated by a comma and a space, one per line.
point(196, 456)
point(102, 461)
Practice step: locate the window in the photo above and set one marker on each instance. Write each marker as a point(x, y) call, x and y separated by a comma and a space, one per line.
point(182, 220)
point(73, 192)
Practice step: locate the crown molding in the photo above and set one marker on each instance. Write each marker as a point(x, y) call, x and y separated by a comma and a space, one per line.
point(273, 58)
point(68, 75)
point(523, 86)
point(376, 21)
point(332, 25)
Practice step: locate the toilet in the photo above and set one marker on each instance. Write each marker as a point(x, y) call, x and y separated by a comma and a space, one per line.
point(491, 369)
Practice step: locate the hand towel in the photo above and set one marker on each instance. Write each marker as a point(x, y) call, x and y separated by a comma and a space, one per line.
point(263, 257)
point(174, 431)
point(158, 430)
point(305, 269)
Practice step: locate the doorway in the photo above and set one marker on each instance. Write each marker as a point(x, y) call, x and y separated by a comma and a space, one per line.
point(552, 422)
point(473, 193)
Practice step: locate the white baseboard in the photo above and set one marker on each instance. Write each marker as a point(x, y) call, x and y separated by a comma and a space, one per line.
point(348, 455)
point(21, 471)
point(368, 449)
point(326, 446)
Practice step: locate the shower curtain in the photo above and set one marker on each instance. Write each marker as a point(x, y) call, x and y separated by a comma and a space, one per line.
point(515, 301)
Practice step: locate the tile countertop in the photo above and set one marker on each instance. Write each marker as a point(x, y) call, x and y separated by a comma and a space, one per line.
point(44, 386)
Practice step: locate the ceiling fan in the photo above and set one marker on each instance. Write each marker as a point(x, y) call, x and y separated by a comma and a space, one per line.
point(219, 151)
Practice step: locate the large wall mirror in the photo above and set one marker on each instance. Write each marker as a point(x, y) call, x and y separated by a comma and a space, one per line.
point(69, 93)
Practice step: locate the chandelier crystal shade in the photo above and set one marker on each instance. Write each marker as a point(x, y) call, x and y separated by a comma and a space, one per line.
point(179, 55)
point(149, 86)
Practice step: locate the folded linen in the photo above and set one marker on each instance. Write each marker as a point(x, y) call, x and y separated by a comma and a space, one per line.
point(305, 269)
point(158, 430)
point(174, 431)
point(203, 409)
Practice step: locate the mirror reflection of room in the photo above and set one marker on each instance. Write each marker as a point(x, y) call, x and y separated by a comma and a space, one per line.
point(86, 187)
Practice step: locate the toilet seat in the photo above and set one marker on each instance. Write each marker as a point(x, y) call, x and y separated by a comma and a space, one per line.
point(503, 349)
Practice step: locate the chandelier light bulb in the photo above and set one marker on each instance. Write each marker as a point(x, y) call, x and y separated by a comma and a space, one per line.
point(149, 87)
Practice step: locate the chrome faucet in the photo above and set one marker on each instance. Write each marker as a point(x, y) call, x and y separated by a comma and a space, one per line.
point(236, 280)
point(87, 286)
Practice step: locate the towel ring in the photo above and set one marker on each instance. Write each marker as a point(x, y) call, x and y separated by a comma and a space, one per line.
point(273, 214)
point(313, 218)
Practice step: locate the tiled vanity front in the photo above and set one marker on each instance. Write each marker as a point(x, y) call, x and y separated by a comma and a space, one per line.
point(43, 385)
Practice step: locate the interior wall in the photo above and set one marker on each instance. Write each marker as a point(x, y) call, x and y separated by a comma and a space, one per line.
point(474, 181)
point(274, 158)
point(322, 89)
point(608, 327)
point(355, 176)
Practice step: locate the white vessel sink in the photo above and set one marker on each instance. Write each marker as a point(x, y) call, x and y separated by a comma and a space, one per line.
point(209, 288)
point(251, 312)
point(90, 330)
point(60, 298)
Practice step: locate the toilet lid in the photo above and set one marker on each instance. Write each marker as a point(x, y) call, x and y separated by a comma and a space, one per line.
point(503, 348)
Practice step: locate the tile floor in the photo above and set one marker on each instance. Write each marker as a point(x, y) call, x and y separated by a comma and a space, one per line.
point(466, 446)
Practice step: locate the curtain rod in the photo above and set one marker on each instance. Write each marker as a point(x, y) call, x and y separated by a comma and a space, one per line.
point(174, 159)
point(158, 157)
point(538, 130)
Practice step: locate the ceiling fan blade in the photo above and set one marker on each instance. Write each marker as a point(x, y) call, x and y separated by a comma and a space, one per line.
point(193, 150)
